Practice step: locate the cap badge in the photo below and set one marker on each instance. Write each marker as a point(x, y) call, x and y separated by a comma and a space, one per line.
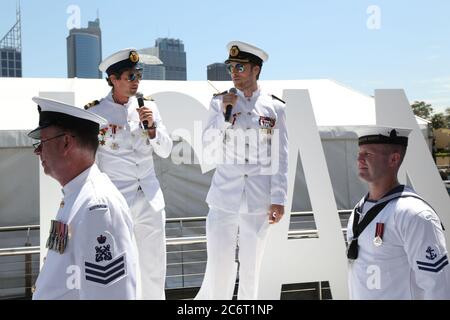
point(393, 133)
point(234, 51)
point(134, 56)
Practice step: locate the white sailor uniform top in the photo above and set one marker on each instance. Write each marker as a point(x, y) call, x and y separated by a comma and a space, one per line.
point(125, 151)
point(92, 253)
point(257, 164)
point(409, 261)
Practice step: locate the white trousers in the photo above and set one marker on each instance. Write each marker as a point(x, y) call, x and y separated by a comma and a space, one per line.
point(150, 234)
point(222, 232)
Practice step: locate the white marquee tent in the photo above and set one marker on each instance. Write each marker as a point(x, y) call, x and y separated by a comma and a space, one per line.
point(180, 102)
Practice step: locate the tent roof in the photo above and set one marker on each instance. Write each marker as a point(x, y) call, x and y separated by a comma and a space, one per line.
point(334, 104)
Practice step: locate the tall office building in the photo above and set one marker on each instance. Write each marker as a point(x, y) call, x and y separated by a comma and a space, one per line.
point(152, 67)
point(218, 72)
point(171, 53)
point(11, 50)
point(84, 51)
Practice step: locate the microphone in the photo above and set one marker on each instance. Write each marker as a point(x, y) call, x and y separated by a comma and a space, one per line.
point(229, 106)
point(140, 99)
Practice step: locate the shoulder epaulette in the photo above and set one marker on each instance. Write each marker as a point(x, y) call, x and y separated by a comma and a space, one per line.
point(220, 94)
point(148, 98)
point(276, 98)
point(91, 104)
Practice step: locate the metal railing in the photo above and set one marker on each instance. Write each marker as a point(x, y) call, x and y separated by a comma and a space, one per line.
point(28, 251)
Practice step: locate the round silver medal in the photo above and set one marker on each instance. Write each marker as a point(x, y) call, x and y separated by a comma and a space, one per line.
point(377, 241)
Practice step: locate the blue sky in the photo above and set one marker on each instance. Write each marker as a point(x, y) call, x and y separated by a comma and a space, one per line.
point(407, 47)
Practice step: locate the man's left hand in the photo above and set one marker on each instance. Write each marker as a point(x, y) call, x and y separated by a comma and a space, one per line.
point(145, 114)
point(275, 213)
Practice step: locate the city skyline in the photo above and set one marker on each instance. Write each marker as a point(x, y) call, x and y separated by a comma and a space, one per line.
point(365, 45)
point(84, 51)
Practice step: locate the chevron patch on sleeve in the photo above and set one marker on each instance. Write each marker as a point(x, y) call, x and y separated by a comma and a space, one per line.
point(106, 274)
point(433, 267)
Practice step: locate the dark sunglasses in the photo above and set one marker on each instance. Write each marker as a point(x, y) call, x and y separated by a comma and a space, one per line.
point(238, 67)
point(136, 75)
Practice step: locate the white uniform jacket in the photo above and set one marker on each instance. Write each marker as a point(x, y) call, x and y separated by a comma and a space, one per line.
point(125, 151)
point(412, 260)
point(257, 164)
point(100, 259)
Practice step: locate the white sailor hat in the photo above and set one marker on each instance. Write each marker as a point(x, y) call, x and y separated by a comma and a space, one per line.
point(244, 52)
point(382, 135)
point(122, 59)
point(52, 112)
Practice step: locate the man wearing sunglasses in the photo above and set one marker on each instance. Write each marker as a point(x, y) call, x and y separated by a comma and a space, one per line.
point(126, 149)
point(91, 250)
point(249, 187)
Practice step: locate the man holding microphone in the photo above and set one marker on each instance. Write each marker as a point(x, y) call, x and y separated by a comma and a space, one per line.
point(249, 188)
point(134, 131)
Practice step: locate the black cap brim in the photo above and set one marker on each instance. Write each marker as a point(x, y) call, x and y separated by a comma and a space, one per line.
point(36, 133)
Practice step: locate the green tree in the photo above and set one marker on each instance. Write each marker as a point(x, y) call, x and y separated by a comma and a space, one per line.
point(447, 118)
point(438, 120)
point(422, 109)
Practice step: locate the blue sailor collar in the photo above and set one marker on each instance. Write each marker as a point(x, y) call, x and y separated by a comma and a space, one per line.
point(398, 192)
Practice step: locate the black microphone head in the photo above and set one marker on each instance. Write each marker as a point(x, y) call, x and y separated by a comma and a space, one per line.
point(232, 90)
point(140, 99)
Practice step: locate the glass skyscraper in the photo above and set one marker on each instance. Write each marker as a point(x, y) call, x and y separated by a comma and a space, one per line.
point(84, 51)
point(218, 72)
point(11, 51)
point(171, 53)
point(152, 67)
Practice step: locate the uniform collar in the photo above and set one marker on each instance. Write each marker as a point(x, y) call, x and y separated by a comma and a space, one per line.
point(255, 94)
point(76, 183)
point(109, 97)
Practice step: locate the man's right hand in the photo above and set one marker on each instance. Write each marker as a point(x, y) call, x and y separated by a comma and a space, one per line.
point(228, 99)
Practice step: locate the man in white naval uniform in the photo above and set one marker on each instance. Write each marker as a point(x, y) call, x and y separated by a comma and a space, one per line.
point(396, 241)
point(249, 187)
point(125, 154)
point(92, 253)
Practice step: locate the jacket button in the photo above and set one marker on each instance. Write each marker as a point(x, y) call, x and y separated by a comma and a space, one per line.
point(249, 113)
point(246, 160)
point(245, 175)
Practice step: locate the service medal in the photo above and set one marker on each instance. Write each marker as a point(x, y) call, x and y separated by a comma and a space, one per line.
point(379, 230)
point(377, 241)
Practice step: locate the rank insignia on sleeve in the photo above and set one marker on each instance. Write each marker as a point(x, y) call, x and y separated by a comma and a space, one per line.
point(104, 268)
point(91, 104)
point(434, 261)
point(106, 274)
point(103, 251)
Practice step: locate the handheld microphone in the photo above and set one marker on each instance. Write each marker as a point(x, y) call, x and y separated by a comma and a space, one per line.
point(229, 106)
point(140, 99)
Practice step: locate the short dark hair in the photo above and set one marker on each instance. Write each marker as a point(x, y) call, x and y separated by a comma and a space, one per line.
point(397, 148)
point(86, 139)
point(260, 69)
point(117, 74)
